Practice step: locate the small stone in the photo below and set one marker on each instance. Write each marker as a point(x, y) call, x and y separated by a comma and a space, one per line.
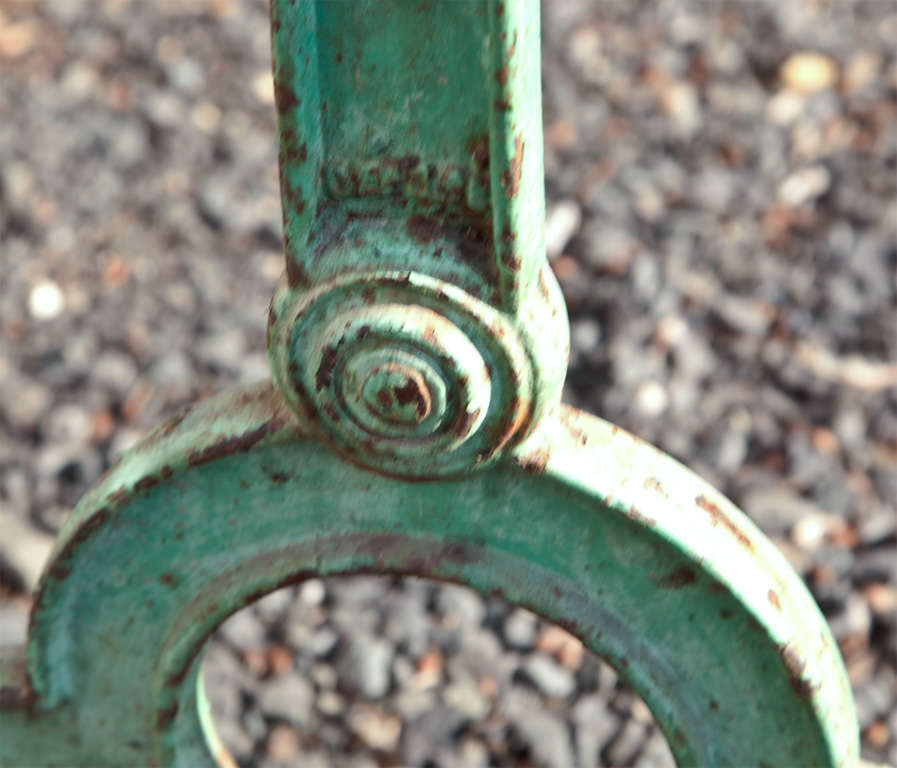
point(542, 731)
point(365, 666)
point(561, 223)
point(877, 734)
point(116, 371)
point(462, 603)
point(804, 185)
point(273, 606)
point(809, 533)
point(862, 69)
point(312, 592)
point(45, 301)
point(429, 670)
point(411, 703)
point(323, 675)
point(378, 728)
point(680, 101)
point(13, 622)
point(243, 630)
point(23, 547)
point(651, 399)
point(882, 598)
point(289, 697)
point(24, 403)
point(322, 642)
point(206, 117)
point(283, 744)
point(778, 509)
point(465, 697)
point(263, 87)
point(809, 72)
point(585, 334)
point(596, 725)
point(68, 423)
point(187, 75)
point(785, 107)
point(331, 704)
point(17, 38)
point(548, 676)
point(626, 746)
point(747, 316)
point(520, 629)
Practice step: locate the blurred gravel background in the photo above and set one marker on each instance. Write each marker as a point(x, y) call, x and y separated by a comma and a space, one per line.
point(722, 185)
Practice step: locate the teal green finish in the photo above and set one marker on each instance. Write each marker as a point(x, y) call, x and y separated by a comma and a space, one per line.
point(610, 538)
point(418, 333)
point(411, 175)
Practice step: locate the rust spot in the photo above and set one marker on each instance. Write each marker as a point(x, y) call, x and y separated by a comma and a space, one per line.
point(773, 598)
point(508, 257)
point(499, 9)
point(502, 105)
point(543, 285)
point(168, 579)
point(479, 152)
point(465, 422)
point(339, 57)
point(653, 484)
point(411, 393)
point(164, 717)
point(325, 368)
point(284, 96)
point(714, 705)
point(536, 461)
point(510, 179)
point(296, 274)
point(681, 577)
point(569, 421)
point(422, 228)
point(501, 75)
point(278, 477)
point(725, 613)
point(145, 483)
point(234, 444)
point(796, 666)
point(634, 514)
point(717, 516)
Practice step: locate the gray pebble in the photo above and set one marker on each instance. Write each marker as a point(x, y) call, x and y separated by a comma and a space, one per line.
point(520, 629)
point(542, 731)
point(463, 603)
point(596, 725)
point(288, 697)
point(244, 630)
point(549, 676)
point(364, 665)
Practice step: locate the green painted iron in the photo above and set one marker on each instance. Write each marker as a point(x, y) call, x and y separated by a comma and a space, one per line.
point(419, 334)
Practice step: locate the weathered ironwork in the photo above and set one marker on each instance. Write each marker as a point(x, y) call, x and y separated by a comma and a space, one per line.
point(419, 333)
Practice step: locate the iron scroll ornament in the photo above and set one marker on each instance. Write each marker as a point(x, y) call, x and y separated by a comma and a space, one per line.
point(418, 333)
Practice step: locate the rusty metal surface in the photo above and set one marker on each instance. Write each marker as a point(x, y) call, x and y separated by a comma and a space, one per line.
point(411, 178)
point(420, 336)
point(583, 523)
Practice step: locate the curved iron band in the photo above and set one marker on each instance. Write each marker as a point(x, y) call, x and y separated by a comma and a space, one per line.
point(603, 534)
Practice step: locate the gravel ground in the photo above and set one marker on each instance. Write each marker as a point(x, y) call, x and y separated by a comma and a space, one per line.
point(722, 187)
